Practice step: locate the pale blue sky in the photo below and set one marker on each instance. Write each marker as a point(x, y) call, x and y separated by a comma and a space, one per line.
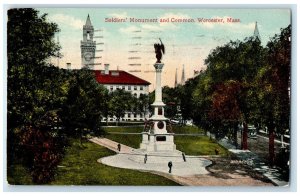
point(186, 43)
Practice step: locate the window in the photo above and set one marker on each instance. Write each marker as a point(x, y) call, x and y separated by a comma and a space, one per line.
point(141, 88)
point(129, 88)
point(111, 88)
point(159, 111)
point(135, 88)
point(123, 87)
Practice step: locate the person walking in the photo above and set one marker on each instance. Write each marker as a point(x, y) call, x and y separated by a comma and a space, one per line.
point(170, 166)
point(119, 147)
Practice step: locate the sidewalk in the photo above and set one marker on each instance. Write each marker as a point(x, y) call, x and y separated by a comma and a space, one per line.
point(129, 158)
point(255, 162)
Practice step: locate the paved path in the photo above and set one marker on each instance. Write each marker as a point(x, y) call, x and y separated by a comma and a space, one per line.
point(112, 145)
point(256, 163)
point(193, 172)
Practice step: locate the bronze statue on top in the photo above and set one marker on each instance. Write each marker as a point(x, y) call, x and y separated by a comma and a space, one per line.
point(159, 49)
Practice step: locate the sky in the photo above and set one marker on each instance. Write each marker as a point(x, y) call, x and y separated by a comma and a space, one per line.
point(186, 43)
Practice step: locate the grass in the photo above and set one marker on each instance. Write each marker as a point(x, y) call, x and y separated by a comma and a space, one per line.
point(198, 145)
point(128, 140)
point(18, 175)
point(136, 129)
point(80, 167)
point(187, 129)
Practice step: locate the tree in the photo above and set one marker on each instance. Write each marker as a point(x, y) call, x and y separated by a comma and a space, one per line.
point(237, 61)
point(170, 97)
point(142, 104)
point(34, 91)
point(84, 105)
point(225, 108)
point(273, 84)
point(29, 44)
point(120, 102)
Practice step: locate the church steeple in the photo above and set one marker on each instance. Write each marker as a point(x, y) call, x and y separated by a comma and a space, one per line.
point(88, 21)
point(256, 33)
point(176, 79)
point(182, 76)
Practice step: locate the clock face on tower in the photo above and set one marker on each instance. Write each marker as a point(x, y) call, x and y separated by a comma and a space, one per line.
point(88, 56)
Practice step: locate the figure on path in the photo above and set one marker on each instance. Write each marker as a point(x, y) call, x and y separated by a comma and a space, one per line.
point(183, 156)
point(119, 147)
point(159, 49)
point(170, 166)
point(145, 159)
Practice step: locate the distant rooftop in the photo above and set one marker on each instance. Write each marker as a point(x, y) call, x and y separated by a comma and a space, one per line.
point(118, 77)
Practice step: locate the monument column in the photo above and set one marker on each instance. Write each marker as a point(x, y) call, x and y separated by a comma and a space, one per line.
point(158, 92)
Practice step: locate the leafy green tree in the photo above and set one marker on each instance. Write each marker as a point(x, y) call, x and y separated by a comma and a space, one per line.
point(85, 103)
point(120, 102)
point(273, 84)
point(142, 104)
point(34, 90)
point(30, 44)
point(202, 100)
point(237, 61)
point(170, 97)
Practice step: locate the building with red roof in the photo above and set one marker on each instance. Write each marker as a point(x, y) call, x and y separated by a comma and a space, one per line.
point(119, 79)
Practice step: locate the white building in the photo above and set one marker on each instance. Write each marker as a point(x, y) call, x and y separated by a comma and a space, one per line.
point(118, 79)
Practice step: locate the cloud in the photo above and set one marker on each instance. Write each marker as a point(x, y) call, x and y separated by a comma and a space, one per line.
point(151, 27)
point(129, 29)
point(119, 15)
point(67, 20)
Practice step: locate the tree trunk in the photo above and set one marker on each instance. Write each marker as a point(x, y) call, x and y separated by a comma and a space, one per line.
point(235, 129)
point(245, 136)
point(271, 145)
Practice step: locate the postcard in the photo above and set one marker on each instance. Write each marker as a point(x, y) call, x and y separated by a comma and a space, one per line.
point(148, 96)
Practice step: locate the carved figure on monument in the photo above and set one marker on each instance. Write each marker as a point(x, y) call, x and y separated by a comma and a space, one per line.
point(159, 50)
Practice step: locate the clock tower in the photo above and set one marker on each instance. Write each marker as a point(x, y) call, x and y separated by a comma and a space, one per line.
point(87, 45)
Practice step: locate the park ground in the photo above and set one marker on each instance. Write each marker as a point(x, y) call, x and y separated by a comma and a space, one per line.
point(80, 166)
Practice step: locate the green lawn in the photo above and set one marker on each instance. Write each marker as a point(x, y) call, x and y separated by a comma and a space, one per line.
point(187, 129)
point(18, 175)
point(80, 167)
point(128, 140)
point(136, 129)
point(198, 145)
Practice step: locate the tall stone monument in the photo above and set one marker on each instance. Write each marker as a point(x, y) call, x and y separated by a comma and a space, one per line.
point(158, 135)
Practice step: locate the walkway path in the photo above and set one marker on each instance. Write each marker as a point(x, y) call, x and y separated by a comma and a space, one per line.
point(256, 163)
point(193, 172)
point(112, 145)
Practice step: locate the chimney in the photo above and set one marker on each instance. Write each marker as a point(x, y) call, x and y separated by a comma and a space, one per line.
point(106, 71)
point(68, 65)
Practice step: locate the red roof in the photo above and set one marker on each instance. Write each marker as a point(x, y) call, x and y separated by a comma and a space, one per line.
point(118, 77)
